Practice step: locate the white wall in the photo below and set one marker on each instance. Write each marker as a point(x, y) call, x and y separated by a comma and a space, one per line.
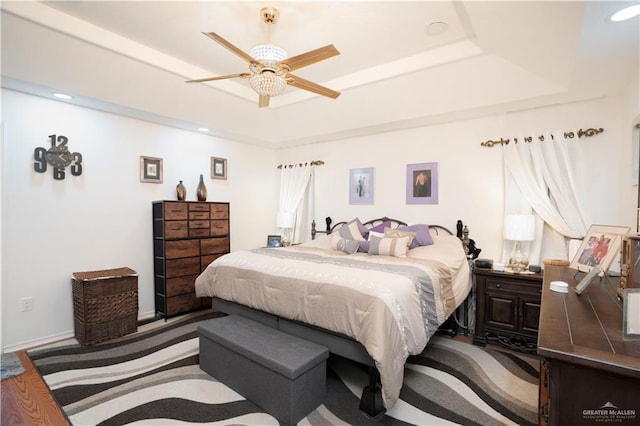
point(102, 219)
point(471, 180)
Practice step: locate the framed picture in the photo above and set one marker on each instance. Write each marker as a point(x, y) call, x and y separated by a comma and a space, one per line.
point(218, 168)
point(274, 240)
point(150, 169)
point(598, 248)
point(422, 183)
point(631, 314)
point(361, 186)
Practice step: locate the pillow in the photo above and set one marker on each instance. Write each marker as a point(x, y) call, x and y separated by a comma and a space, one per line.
point(347, 246)
point(381, 227)
point(353, 230)
point(423, 236)
point(398, 233)
point(364, 245)
point(388, 246)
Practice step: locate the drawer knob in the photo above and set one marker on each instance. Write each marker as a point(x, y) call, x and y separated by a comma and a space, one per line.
point(498, 285)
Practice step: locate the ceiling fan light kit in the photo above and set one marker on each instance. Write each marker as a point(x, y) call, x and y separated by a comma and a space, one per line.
point(270, 67)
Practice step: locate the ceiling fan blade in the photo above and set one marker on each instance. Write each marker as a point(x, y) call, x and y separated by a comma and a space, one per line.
point(311, 57)
point(230, 46)
point(301, 83)
point(263, 101)
point(220, 77)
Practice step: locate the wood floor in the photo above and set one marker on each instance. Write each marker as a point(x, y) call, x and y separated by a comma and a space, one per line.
point(26, 399)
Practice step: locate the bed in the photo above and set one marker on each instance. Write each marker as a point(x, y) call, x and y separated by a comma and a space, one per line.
point(375, 306)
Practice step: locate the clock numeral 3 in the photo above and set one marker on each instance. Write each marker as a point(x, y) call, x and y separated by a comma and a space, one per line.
point(58, 173)
point(76, 167)
point(40, 165)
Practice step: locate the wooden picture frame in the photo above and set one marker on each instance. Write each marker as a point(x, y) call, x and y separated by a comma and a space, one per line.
point(631, 314)
point(361, 186)
point(274, 240)
point(218, 168)
point(422, 183)
point(599, 247)
point(150, 169)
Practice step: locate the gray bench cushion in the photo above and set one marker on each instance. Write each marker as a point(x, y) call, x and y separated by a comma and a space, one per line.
point(287, 355)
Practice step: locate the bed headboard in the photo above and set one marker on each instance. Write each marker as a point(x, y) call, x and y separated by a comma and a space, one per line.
point(463, 232)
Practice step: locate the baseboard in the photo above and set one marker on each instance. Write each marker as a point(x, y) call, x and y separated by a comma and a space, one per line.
point(32, 344)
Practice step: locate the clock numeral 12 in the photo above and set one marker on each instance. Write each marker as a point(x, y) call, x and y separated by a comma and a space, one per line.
point(62, 139)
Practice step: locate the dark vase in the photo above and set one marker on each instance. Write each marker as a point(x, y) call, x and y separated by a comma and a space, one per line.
point(202, 190)
point(181, 192)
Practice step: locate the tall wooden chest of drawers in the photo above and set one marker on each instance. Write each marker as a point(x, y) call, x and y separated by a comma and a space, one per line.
point(187, 236)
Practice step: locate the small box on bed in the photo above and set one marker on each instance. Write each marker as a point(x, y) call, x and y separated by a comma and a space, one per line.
point(105, 304)
point(282, 374)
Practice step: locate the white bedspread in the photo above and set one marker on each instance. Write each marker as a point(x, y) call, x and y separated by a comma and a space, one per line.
point(391, 305)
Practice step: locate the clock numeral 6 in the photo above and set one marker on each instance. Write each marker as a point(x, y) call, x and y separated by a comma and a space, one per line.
point(58, 173)
point(76, 167)
point(40, 165)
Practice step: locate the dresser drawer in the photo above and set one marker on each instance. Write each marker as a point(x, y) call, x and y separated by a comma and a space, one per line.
point(181, 267)
point(181, 248)
point(202, 232)
point(197, 215)
point(206, 260)
point(520, 287)
point(198, 207)
point(194, 224)
point(175, 211)
point(175, 229)
point(219, 227)
point(219, 211)
point(214, 245)
point(181, 285)
point(182, 303)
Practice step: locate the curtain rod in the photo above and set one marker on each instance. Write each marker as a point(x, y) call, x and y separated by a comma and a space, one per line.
point(311, 163)
point(567, 135)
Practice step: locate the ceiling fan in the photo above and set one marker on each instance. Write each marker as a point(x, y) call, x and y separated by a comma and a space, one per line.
point(270, 68)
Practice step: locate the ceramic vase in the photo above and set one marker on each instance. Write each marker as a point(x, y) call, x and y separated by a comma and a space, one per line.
point(202, 190)
point(181, 192)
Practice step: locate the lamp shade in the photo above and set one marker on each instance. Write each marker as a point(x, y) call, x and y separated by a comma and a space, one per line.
point(519, 227)
point(285, 219)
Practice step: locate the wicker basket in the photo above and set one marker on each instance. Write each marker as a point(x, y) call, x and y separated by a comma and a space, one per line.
point(105, 304)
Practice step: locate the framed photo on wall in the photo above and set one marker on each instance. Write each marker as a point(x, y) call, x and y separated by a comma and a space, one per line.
point(150, 169)
point(422, 183)
point(361, 186)
point(599, 247)
point(218, 168)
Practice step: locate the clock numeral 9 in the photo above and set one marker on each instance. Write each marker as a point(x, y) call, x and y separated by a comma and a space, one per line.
point(76, 166)
point(58, 173)
point(40, 165)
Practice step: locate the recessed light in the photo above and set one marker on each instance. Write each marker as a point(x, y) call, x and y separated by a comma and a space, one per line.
point(203, 129)
point(62, 96)
point(436, 28)
point(626, 13)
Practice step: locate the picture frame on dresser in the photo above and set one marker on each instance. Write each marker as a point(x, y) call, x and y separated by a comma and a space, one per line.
point(218, 168)
point(274, 240)
point(631, 314)
point(422, 183)
point(150, 169)
point(599, 248)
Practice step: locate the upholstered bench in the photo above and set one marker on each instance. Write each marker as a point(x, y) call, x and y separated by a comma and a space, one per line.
point(282, 374)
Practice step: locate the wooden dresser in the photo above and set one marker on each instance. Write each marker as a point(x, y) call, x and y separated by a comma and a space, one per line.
point(589, 374)
point(187, 236)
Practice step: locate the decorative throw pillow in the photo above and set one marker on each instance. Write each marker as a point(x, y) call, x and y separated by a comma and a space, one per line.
point(381, 227)
point(397, 233)
point(354, 230)
point(423, 236)
point(388, 246)
point(347, 246)
point(364, 245)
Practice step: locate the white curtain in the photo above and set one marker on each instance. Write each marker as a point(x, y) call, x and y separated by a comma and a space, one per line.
point(294, 181)
point(539, 180)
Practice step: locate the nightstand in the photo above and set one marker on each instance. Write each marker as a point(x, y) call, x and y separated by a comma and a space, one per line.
point(507, 309)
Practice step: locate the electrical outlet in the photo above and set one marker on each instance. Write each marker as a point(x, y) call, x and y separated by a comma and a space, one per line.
point(26, 304)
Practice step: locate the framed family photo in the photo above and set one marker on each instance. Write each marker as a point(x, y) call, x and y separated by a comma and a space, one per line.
point(422, 183)
point(150, 169)
point(218, 168)
point(274, 240)
point(361, 186)
point(599, 248)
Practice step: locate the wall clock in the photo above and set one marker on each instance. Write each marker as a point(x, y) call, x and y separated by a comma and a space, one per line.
point(59, 157)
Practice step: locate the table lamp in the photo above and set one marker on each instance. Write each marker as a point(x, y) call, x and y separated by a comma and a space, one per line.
point(285, 220)
point(518, 228)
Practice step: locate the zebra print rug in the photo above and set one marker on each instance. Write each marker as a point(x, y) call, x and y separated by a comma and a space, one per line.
point(152, 377)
